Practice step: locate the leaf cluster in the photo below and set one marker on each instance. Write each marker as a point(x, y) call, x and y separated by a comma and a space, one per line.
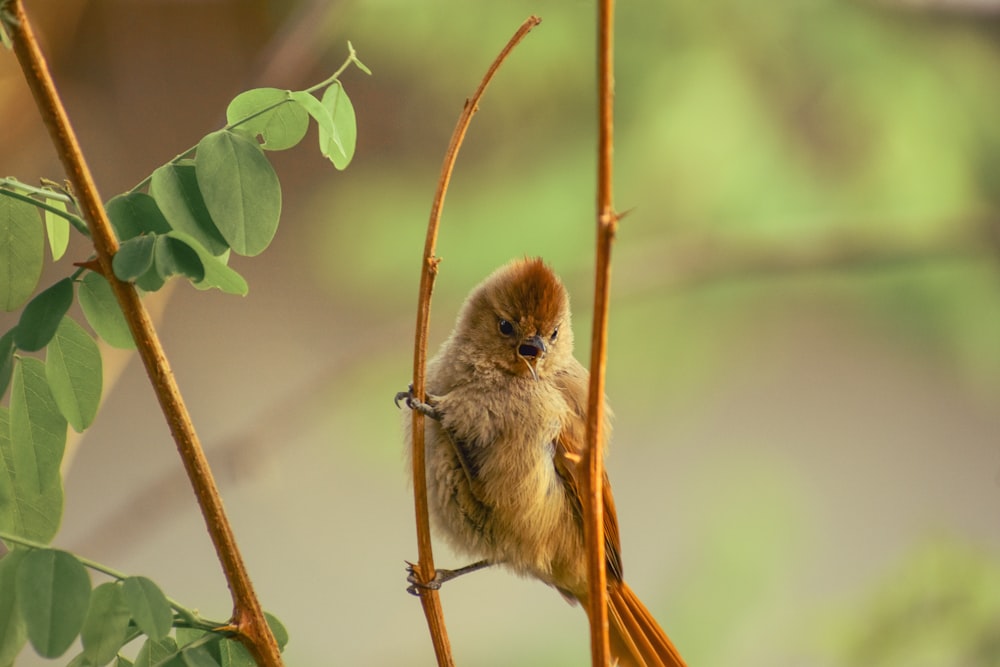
point(46, 598)
point(186, 219)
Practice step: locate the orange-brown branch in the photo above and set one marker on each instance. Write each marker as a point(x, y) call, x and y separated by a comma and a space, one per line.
point(248, 617)
point(425, 566)
point(607, 222)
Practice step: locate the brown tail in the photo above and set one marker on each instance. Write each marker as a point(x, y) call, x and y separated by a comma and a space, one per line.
point(637, 640)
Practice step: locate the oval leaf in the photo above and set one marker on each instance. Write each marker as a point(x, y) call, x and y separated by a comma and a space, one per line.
point(13, 633)
point(154, 652)
point(197, 656)
point(104, 629)
point(134, 258)
point(240, 189)
point(53, 593)
point(339, 145)
point(73, 369)
point(149, 607)
point(282, 126)
point(174, 257)
point(136, 213)
point(22, 250)
point(277, 629)
point(102, 311)
point(57, 229)
point(317, 110)
point(37, 440)
point(42, 315)
point(6, 363)
point(235, 654)
point(175, 188)
point(217, 274)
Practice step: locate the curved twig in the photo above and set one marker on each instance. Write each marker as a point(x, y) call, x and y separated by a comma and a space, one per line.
point(248, 619)
point(424, 568)
point(607, 223)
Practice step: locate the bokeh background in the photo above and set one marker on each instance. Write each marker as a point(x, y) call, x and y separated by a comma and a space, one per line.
point(805, 330)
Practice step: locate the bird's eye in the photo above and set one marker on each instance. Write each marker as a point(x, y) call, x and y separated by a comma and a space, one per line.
point(506, 328)
point(555, 334)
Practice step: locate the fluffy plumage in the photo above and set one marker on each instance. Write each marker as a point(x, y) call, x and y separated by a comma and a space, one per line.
point(502, 454)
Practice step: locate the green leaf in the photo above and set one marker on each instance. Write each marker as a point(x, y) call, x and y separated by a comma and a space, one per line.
point(174, 257)
point(175, 189)
point(217, 274)
point(9, 517)
point(339, 145)
point(281, 127)
point(123, 662)
point(277, 629)
point(57, 229)
point(22, 251)
point(319, 112)
point(150, 281)
point(6, 363)
point(354, 57)
point(135, 257)
point(102, 311)
point(198, 656)
point(79, 660)
point(73, 369)
point(149, 607)
point(240, 189)
point(154, 652)
point(235, 654)
point(42, 315)
point(37, 440)
point(53, 593)
point(104, 630)
point(13, 633)
point(136, 213)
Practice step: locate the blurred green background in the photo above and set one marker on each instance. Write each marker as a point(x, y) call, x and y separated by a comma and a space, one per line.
point(804, 348)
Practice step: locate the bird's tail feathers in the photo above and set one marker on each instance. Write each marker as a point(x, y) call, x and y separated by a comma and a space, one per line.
point(637, 640)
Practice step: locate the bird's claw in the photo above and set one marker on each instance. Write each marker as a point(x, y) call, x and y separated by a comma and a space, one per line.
point(440, 576)
point(411, 401)
point(416, 585)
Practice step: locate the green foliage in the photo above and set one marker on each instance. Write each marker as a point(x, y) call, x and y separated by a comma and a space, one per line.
point(53, 594)
point(149, 607)
point(175, 188)
point(21, 252)
point(73, 370)
point(185, 220)
point(37, 439)
point(264, 114)
point(240, 189)
point(13, 633)
point(102, 312)
point(105, 629)
point(42, 315)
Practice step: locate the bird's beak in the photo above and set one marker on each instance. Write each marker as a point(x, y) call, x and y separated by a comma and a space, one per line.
point(530, 351)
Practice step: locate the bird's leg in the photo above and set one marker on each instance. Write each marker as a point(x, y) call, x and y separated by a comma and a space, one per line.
point(411, 401)
point(440, 576)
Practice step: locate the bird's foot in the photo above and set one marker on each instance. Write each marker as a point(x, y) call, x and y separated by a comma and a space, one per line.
point(426, 409)
point(440, 576)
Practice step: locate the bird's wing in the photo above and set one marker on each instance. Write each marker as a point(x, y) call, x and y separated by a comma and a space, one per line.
point(570, 465)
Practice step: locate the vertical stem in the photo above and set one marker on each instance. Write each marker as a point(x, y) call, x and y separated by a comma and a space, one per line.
point(248, 618)
point(429, 599)
point(607, 222)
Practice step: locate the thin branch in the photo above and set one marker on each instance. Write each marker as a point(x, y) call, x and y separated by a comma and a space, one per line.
point(424, 568)
point(248, 618)
point(607, 222)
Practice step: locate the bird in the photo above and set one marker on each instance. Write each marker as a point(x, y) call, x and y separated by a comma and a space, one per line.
point(506, 403)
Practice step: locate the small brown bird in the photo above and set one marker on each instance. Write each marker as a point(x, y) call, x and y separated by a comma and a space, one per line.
point(507, 403)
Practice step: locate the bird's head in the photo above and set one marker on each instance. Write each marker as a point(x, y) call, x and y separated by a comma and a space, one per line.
point(518, 320)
